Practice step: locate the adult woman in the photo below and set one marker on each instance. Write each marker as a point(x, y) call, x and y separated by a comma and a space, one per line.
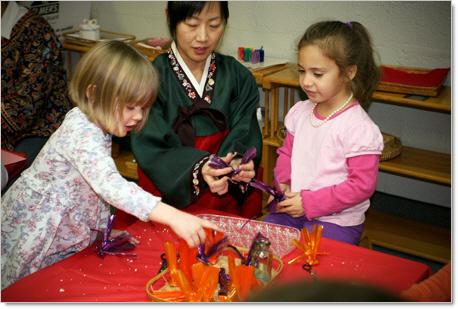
point(206, 105)
point(34, 86)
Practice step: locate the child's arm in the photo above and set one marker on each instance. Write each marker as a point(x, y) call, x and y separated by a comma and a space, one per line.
point(185, 225)
point(359, 186)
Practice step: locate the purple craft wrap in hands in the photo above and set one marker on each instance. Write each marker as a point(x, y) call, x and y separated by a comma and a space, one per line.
point(275, 191)
point(218, 163)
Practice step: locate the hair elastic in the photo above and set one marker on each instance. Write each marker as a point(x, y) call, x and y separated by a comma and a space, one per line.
point(349, 25)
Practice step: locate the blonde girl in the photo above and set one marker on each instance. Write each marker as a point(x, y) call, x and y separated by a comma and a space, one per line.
point(52, 210)
point(328, 164)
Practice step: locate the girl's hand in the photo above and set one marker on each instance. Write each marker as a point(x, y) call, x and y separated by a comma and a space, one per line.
point(284, 187)
point(292, 205)
point(247, 171)
point(211, 176)
point(186, 226)
point(116, 233)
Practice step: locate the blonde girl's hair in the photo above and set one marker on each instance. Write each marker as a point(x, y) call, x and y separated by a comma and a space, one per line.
point(111, 75)
point(347, 44)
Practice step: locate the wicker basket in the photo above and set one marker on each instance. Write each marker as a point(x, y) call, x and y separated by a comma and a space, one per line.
point(408, 89)
point(392, 147)
point(277, 267)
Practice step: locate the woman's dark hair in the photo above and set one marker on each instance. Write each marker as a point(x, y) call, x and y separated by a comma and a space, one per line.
point(179, 11)
point(347, 44)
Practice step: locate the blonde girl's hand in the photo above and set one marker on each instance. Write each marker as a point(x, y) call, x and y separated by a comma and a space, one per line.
point(191, 228)
point(212, 176)
point(116, 233)
point(292, 205)
point(247, 171)
point(186, 226)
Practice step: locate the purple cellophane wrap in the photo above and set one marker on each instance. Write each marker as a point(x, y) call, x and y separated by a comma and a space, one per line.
point(116, 245)
point(280, 236)
point(275, 191)
point(218, 163)
point(216, 248)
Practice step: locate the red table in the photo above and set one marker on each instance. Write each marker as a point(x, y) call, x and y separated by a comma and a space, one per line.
point(85, 277)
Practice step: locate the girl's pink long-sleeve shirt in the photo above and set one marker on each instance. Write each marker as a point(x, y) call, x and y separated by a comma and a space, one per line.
point(334, 166)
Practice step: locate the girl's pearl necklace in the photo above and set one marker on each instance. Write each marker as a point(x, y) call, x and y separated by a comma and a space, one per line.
point(332, 114)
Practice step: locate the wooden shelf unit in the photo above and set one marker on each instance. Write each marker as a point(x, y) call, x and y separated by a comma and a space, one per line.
point(441, 103)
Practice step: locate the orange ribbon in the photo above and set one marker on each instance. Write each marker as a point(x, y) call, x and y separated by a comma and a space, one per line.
point(309, 245)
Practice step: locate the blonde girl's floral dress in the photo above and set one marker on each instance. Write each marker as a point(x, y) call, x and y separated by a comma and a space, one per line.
point(50, 212)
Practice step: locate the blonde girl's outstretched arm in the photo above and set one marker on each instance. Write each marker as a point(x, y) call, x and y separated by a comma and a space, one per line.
point(186, 226)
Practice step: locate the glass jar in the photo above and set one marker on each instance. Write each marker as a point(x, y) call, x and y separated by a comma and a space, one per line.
point(261, 259)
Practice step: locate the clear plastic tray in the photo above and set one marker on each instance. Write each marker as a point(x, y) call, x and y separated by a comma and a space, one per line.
point(280, 236)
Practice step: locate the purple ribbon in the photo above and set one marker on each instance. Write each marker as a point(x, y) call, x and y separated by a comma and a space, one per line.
point(275, 191)
point(247, 260)
point(116, 245)
point(218, 163)
point(213, 250)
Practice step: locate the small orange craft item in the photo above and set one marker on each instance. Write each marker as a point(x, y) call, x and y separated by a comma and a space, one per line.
point(213, 237)
point(208, 282)
point(243, 276)
point(185, 259)
point(310, 245)
point(171, 257)
point(175, 296)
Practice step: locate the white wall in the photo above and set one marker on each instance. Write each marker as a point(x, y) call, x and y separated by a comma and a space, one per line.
point(414, 33)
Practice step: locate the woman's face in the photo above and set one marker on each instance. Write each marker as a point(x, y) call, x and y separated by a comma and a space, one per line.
point(197, 37)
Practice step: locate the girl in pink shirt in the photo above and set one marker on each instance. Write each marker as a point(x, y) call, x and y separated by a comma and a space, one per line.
point(328, 164)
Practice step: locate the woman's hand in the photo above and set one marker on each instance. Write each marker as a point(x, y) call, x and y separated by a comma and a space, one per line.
point(186, 226)
point(211, 176)
point(247, 171)
point(292, 205)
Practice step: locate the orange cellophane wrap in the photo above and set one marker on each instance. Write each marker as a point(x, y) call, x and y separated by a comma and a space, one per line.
point(208, 284)
point(175, 296)
point(185, 261)
point(243, 276)
point(310, 245)
point(256, 284)
point(184, 285)
point(193, 256)
point(231, 266)
point(212, 238)
point(197, 270)
point(171, 256)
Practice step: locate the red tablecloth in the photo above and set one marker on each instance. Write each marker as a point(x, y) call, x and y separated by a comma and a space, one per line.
point(85, 277)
